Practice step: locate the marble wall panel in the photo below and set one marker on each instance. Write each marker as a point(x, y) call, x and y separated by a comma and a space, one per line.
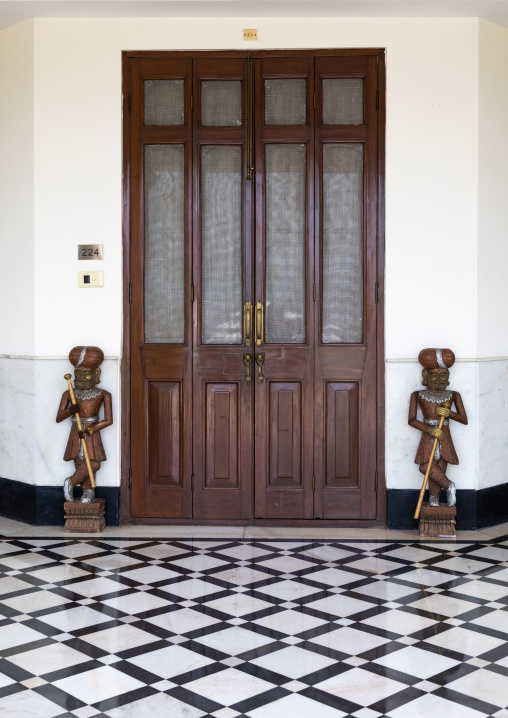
point(402, 378)
point(32, 444)
point(51, 469)
point(17, 419)
point(493, 430)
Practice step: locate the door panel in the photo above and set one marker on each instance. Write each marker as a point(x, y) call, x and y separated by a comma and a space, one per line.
point(222, 438)
point(253, 187)
point(161, 322)
point(283, 284)
point(341, 412)
point(165, 415)
point(284, 419)
point(346, 242)
point(223, 443)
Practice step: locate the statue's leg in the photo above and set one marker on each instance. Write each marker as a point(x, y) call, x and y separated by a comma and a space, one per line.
point(88, 491)
point(80, 476)
point(437, 480)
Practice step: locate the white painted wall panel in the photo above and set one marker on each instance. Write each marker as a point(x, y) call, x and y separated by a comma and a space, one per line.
point(17, 189)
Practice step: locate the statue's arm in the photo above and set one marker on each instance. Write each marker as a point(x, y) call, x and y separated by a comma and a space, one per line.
point(65, 409)
point(413, 409)
point(108, 415)
point(459, 415)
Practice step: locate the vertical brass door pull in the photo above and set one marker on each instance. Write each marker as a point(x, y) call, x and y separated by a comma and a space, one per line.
point(260, 360)
point(247, 324)
point(247, 360)
point(260, 324)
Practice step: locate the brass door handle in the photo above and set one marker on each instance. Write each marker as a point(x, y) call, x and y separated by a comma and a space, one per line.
point(260, 324)
point(247, 325)
point(260, 360)
point(247, 360)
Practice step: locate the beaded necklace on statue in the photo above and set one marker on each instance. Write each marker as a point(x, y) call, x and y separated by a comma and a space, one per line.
point(87, 393)
point(436, 397)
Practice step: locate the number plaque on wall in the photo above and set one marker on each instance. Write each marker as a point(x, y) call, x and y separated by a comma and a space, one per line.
point(89, 251)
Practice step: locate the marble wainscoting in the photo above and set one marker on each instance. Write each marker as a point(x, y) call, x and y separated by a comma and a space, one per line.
point(32, 444)
point(493, 441)
point(402, 475)
point(17, 419)
point(482, 445)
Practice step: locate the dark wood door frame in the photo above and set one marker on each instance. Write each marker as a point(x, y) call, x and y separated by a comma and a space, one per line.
point(125, 368)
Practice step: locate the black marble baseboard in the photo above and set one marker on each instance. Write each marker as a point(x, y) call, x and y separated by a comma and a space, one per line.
point(401, 506)
point(492, 506)
point(475, 509)
point(43, 505)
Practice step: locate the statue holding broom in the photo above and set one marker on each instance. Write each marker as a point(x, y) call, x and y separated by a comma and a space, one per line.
point(436, 449)
point(83, 403)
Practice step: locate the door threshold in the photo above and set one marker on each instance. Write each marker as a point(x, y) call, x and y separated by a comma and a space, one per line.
point(275, 523)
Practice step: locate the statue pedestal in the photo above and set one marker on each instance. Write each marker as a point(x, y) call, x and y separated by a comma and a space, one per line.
point(438, 521)
point(85, 518)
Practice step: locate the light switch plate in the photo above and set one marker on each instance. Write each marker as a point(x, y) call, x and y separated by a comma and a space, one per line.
point(86, 280)
point(251, 34)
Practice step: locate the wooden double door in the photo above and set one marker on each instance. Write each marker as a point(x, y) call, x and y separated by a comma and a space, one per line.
point(253, 192)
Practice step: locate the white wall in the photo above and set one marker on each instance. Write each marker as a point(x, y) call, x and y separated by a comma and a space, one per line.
point(432, 199)
point(493, 191)
point(431, 171)
point(17, 384)
point(17, 189)
point(493, 254)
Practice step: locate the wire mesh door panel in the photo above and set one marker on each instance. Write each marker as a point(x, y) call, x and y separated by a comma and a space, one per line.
point(222, 398)
point(159, 137)
point(346, 275)
point(253, 255)
point(283, 287)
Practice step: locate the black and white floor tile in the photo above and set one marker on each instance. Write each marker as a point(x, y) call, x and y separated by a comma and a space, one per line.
point(135, 628)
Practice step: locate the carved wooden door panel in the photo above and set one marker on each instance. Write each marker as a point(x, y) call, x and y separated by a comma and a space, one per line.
point(284, 251)
point(223, 438)
point(345, 405)
point(253, 194)
point(160, 256)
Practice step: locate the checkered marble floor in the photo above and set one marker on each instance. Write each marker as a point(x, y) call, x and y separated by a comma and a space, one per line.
point(187, 628)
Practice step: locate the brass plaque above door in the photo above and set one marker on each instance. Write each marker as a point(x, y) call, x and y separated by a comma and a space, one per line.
point(254, 265)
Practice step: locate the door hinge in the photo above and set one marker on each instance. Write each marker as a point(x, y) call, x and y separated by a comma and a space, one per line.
point(192, 292)
point(192, 103)
point(314, 101)
point(377, 292)
point(130, 479)
point(130, 293)
point(314, 292)
point(377, 100)
point(376, 479)
point(192, 482)
point(313, 482)
point(129, 102)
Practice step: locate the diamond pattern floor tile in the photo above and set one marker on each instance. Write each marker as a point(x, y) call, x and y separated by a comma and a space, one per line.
point(253, 629)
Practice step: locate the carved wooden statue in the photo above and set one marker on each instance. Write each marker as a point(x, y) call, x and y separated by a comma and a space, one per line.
point(83, 404)
point(435, 377)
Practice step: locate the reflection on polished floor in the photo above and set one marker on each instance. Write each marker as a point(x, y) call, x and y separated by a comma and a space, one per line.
point(132, 623)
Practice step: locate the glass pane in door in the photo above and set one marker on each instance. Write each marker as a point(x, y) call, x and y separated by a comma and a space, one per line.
point(285, 243)
point(342, 243)
point(343, 101)
point(221, 244)
point(164, 244)
point(285, 102)
point(221, 103)
point(164, 102)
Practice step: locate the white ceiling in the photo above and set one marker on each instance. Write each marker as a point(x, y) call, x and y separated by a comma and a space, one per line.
point(14, 11)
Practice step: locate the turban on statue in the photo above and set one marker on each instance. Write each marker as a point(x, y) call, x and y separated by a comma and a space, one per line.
point(436, 358)
point(86, 357)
